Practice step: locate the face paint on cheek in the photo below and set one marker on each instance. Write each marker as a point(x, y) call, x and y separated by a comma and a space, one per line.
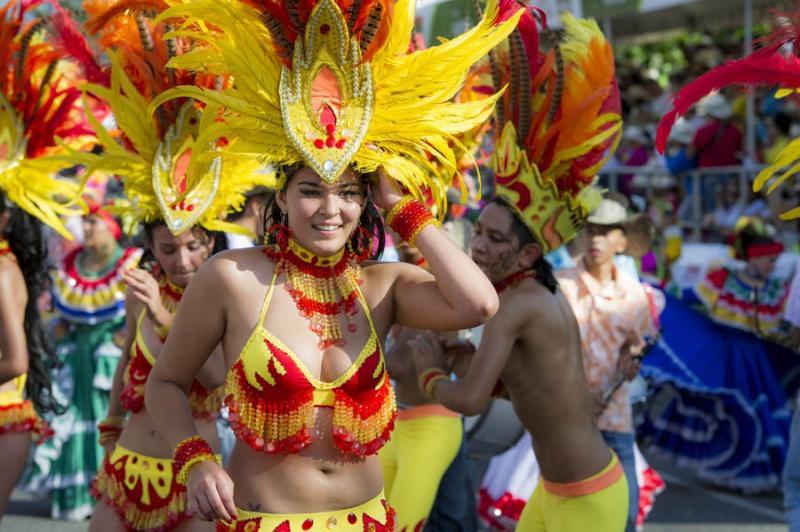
point(504, 262)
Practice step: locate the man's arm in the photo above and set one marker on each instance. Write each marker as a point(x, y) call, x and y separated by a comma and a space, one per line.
point(471, 394)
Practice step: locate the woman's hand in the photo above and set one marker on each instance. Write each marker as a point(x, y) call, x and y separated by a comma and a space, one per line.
point(386, 194)
point(145, 289)
point(209, 492)
point(108, 446)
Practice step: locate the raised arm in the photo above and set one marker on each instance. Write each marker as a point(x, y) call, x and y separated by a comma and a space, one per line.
point(454, 295)
point(13, 345)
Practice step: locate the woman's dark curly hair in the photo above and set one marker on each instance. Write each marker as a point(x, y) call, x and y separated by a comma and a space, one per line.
point(542, 268)
point(26, 239)
point(148, 260)
point(370, 220)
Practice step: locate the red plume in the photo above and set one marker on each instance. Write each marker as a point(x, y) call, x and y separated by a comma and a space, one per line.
point(763, 68)
point(71, 41)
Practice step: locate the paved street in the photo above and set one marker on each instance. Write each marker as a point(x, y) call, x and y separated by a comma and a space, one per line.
point(685, 506)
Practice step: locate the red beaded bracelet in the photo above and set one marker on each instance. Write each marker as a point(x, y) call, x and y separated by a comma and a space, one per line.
point(109, 429)
point(190, 452)
point(408, 218)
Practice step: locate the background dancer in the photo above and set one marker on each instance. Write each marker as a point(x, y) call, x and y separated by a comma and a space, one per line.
point(39, 104)
point(178, 188)
point(89, 299)
point(532, 346)
point(427, 435)
point(722, 371)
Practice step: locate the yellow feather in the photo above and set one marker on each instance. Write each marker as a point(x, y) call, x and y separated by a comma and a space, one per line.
point(414, 117)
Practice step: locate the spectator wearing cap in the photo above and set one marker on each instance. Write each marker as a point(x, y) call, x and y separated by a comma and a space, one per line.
point(614, 317)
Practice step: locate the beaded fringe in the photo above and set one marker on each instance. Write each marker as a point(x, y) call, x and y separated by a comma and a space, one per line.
point(270, 426)
point(363, 428)
point(359, 428)
point(205, 403)
point(22, 417)
point(109, 486)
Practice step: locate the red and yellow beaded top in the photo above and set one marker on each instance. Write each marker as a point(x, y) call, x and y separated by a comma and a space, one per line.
point(272, 395)
point(205, 403)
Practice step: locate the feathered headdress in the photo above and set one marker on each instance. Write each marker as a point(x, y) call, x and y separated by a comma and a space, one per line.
point(331, 83)
point(775, 63)
point(38, 106)
point(170, 160)
point(557, 125)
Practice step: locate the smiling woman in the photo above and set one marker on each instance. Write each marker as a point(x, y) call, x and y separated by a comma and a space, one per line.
point(303, 320)
point(179, 188)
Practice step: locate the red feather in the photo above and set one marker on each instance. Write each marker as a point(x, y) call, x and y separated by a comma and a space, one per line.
point(506, 10)
point(762, 68)
point(529, 31)
point(72, 43)
point(786, 30)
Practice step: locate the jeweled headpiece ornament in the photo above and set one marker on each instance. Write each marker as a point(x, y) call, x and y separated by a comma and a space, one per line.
point(332, 83)
point(556, 125)
point(774, 64)
point(38, 105)
point(169, 158)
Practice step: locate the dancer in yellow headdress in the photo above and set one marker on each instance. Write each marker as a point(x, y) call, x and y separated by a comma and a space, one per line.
point(327, 91)
point(38, 104)
point(180, 189)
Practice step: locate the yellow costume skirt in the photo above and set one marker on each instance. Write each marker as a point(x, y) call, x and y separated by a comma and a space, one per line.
point(18, 415)
point(597, 504)
point(142, 490)
point(373, 516)
point(424, 443)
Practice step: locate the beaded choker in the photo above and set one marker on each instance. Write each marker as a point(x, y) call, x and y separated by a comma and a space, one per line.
point(321, 287)
point(5, 249)
point(170, 295)
point(513, 279)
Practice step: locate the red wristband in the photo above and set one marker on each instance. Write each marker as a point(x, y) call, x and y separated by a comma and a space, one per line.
point(188, 453)
point(408, 218)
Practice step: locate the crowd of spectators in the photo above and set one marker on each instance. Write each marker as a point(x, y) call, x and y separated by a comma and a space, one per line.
point(708, 144)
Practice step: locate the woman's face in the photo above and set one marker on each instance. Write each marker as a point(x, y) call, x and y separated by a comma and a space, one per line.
point(96, 234)
point(762, 267)
point(180, 256)
point(321, 216)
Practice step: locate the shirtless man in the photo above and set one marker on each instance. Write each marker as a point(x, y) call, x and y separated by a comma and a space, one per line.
point(533, 347)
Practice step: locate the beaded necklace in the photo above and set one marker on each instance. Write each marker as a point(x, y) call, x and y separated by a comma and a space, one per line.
point(321, 287)
point(170, 295)
point(513, 279)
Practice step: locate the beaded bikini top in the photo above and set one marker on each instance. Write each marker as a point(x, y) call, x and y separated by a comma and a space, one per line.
point(272, 395)
point(205, 403)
